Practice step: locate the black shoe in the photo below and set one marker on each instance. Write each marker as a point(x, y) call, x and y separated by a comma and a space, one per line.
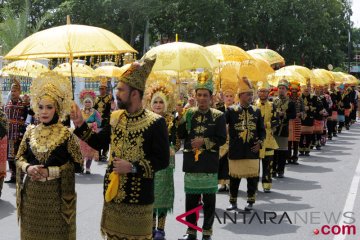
point(335, 135)
point(329, 137)
point(159, 235)
point(347, 127)
point(223, 188)
point(318, 147)
point(301, 154)
point(307, 154)
point(249, 207)
point(206, 238)
point(267, 190)
point(188, 237)
point(280, 175)
point(11, 180)
point(232, 206)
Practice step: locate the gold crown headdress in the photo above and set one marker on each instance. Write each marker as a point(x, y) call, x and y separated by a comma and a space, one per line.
point(245, 85)
point(205, 81)
point(55, 86)
point(228, 77)
point(160, 86)
point(138, 72)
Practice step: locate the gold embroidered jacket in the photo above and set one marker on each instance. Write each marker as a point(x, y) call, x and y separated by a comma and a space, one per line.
point(246, 127)
point(271, 120)
point(103, 106)
point(209, 125)
point(309, 110)
point(288, 108)
point(140, 138)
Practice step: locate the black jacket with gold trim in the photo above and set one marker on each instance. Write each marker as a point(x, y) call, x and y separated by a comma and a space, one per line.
point(288, 108)
point(310, 103)
point(140, 138)
point(103, 106)
point(209, 125)
point(246, 127)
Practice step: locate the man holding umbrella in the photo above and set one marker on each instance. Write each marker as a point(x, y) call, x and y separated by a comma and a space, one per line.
point(104, 104)
point(139, 148)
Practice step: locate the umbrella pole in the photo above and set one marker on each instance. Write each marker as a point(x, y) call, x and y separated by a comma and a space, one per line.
point(72, 77)
point(178, 82)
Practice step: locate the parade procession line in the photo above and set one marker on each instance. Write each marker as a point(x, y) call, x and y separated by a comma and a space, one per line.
point(312, 195)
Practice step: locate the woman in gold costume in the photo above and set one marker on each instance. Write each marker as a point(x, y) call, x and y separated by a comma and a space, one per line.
point(50, 155)
point(161, 100)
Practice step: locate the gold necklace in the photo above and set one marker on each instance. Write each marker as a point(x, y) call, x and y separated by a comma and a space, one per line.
point(45, 139)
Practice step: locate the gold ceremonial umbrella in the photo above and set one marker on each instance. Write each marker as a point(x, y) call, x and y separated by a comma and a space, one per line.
point(275, 77)
point(252, 71)
point(77, 70)
point(304, 71)
point(180, 56)
point(109, 71)
point(340, 77)
point(224, 53)
point(3, 74)
point(171, 75)
point(24, 68)
point(69, 41)
point(263, 65)
point(322, 77)
point(353, 79)
point(269, 55)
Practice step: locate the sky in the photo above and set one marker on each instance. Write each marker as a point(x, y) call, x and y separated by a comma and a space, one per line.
point(356, 13)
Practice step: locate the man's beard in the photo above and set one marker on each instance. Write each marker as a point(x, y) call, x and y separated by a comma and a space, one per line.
point(122, 104)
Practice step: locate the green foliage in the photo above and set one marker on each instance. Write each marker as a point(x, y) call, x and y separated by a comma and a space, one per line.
point(313, 33)
point(17, 23)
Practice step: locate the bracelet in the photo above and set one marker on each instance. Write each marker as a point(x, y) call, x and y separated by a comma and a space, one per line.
point(27, 168)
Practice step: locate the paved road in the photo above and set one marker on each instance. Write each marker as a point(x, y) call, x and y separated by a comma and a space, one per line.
point(321, 191)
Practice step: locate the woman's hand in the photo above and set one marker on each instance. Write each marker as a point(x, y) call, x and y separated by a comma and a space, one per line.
point(37, 172)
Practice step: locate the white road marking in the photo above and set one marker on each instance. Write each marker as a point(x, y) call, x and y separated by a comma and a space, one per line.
point(350, 201)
